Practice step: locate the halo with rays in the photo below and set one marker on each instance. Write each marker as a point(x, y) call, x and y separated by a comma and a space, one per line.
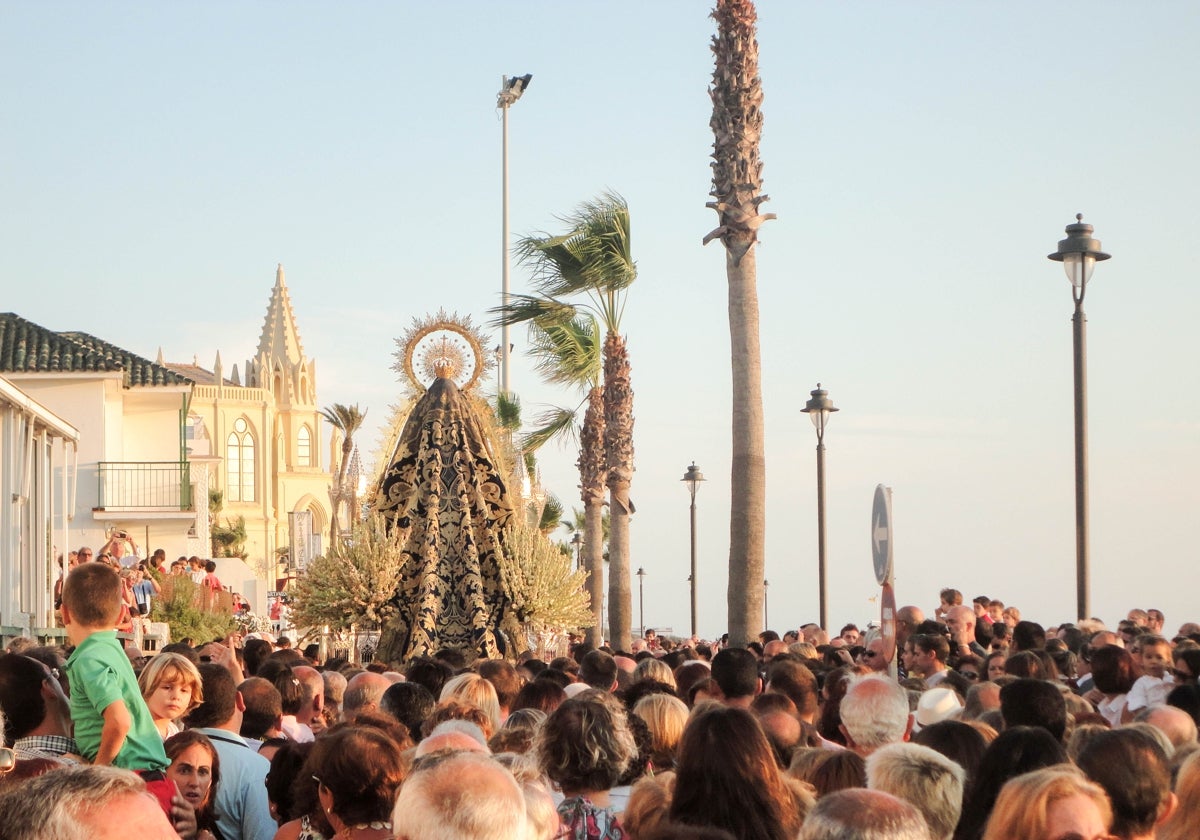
point(439, 340)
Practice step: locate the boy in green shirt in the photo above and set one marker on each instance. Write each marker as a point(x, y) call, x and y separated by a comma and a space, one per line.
point(112, 723)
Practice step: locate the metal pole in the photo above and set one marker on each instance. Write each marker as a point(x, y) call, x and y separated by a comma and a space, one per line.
point(824, 617)
point(766, 614)
point(1079, 324)
point(693, 576)
point(504, 342)
point(641, 603)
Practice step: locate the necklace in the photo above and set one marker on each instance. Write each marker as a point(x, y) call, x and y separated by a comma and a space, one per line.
point(378, 825)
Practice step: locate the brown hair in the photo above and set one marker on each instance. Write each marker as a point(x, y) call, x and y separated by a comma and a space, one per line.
point(362, 768)
point(728, 778)
point(93, 596)
point(585, 745)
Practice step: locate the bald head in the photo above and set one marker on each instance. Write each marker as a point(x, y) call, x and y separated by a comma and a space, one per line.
point(1176, 724)
point(961, 619)
point(363, 693)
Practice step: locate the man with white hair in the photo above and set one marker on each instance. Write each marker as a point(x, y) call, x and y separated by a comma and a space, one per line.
point(860, 814)
point(93, 801)
point(363, 693)
point(874, 714)
point(923, 778)
point(460, 796)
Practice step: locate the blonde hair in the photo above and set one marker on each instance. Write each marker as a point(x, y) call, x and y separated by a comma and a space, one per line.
point(665, 717)
point(654, 669)
point(165, 667)
point(1184, 823)
point(477, 691)
point(1024, 803)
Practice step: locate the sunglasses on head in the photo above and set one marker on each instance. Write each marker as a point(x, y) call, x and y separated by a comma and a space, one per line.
point(970, 675)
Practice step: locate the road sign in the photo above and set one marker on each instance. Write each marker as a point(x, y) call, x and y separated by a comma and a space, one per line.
point(881, 534)
point(887, 622)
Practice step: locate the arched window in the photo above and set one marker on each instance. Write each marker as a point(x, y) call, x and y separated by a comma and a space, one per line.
point(304, 447)
point(239, 463)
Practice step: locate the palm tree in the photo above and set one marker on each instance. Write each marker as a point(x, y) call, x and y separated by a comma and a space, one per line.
point(347, 419)
point(566, 348)
point(737, 189)
point(588, 270)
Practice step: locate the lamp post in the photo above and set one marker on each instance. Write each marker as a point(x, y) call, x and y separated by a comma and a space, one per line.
point(1079, 253)
point(818, 410)
point(692, 479)
point(577, 542)
point(641, 574)
point(511, 88)
point(766, 613)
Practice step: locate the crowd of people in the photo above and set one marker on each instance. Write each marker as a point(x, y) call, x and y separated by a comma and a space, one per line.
point(988, 727)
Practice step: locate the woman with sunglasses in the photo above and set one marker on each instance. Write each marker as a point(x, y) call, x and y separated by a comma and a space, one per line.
point(1187, 666)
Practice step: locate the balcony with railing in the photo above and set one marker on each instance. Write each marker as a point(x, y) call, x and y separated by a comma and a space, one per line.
point(144, 486)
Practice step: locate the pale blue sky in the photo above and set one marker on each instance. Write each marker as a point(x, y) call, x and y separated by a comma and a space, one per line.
point(158, 159)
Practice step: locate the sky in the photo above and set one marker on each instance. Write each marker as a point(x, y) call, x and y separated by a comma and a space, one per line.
point(158, 159)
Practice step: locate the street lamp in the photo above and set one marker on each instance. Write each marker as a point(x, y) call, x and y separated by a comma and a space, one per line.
point(766, 614)
point(577, 542)
point(641, 574)
point(1079, 253)
point(818, 410)
point(692, 479)
point(511, 88)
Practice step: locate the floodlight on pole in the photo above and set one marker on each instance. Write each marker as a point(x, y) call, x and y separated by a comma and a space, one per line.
point(511, 88)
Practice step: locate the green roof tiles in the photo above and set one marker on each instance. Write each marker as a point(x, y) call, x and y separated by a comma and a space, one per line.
point(26, 347)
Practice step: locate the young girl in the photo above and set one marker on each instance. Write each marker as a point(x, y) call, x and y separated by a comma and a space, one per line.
point(170, 684)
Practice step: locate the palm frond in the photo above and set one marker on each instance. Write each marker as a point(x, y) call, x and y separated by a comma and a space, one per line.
point(594, 258)
point(508, 411)
point(555, 423)
point(522, 309)
point(347, 419)
point(568, 352)
point(552, 513)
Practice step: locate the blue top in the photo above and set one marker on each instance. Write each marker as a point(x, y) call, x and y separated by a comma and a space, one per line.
point(100, 675)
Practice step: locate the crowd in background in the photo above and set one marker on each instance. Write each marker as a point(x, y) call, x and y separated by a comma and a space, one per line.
point(983, 726)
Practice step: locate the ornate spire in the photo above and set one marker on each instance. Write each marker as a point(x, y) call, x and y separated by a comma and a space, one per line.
point(280, 339)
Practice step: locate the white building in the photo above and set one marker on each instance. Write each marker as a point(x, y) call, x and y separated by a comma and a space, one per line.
point(133, 471)
point(37, 480)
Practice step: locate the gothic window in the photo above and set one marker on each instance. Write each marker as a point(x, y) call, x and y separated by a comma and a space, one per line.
point(239, 463)
point(304, 448)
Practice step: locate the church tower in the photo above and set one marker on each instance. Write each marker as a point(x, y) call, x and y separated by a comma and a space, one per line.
point(280, 365)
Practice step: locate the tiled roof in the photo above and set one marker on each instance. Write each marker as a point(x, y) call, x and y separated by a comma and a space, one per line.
point(195, 373)
point(26, 347)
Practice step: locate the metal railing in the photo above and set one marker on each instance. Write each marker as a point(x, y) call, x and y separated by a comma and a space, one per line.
point(144, 485)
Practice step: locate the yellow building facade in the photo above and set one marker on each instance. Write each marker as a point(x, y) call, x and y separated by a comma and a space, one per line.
point(259, 442)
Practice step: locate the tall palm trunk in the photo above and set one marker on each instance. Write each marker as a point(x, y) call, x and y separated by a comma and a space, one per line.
point(591, 485)
point(618, 455)
point(347, 448)
point(737, 187)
